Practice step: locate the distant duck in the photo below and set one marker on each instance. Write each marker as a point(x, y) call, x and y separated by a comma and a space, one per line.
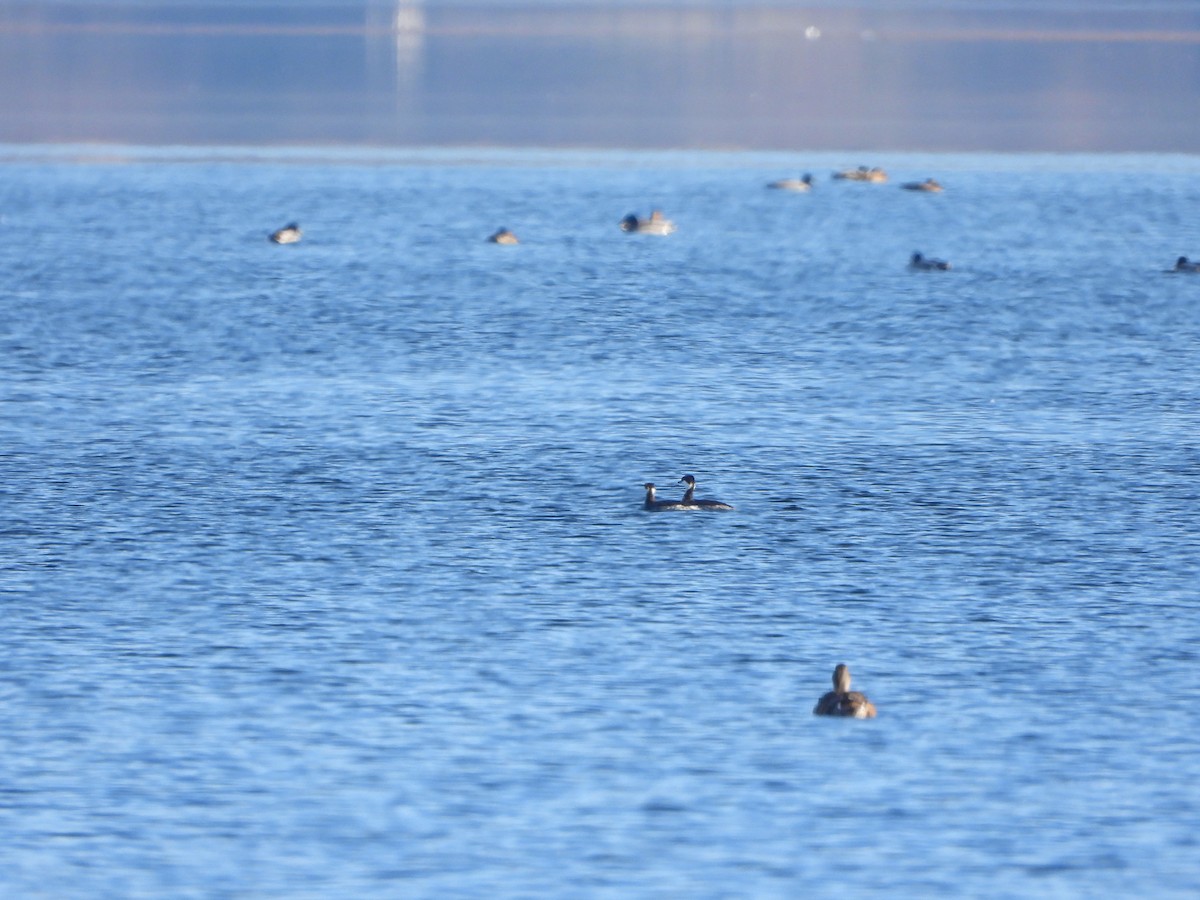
point(288, 234)
point(804, 183)
point(1183, 264)
point(659, 505)
point(928, 185)
point(842, 701)
point(690, 500)
point(503, 236)
point(926, 264)
point(874, 175)
point(656, 224)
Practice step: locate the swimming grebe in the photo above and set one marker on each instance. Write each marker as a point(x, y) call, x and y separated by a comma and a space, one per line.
point(690, 500)
point(1183, 264)
point(924, 264)
point(793, 184)
point(928, 185)
point(842, 701)
point(503, 236)
point(874, 175)
point(659, 505)
point(288, 234)
point(656, 224)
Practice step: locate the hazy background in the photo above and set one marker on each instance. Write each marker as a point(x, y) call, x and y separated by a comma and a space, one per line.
point(1107, 76)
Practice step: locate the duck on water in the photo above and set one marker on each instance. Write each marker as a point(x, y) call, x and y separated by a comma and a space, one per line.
point(928, 186)
point(842, 701)
point(923, 263)
point(503, 236)
point(804, 183)
point(656, 224)
point(873, 175)
point(288, 234)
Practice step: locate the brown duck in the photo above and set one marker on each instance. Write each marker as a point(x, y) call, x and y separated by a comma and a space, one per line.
point(842, 701)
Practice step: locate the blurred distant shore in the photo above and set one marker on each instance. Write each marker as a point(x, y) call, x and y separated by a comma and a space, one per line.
point(750, 76)
point(1084, 23)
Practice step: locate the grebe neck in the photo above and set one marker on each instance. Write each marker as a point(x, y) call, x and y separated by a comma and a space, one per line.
point(649, 494)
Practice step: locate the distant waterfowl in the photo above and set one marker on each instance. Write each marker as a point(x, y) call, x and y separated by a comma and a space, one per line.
point(1183, 264)
point(288, 234)
point(503, 236)
point(656, 224)
point(660, 505)
point(842, 701)
point(928, 185)
point(690, 500)
point(804, 183)
point(927, 264)
point(874, 175)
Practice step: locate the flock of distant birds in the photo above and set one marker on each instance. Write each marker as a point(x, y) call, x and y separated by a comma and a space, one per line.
point(659, 224)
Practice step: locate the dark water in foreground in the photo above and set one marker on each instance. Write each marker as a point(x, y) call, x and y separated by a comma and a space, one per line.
point(325, 572)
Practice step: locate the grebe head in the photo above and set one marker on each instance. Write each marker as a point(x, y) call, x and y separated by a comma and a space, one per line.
point(1182, 263)
point(689, 495)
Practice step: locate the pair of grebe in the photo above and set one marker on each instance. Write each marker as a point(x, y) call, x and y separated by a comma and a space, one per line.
point(842, 701)
point(688, 501)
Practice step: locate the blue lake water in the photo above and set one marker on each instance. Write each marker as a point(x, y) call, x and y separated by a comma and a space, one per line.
point(324, 570)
